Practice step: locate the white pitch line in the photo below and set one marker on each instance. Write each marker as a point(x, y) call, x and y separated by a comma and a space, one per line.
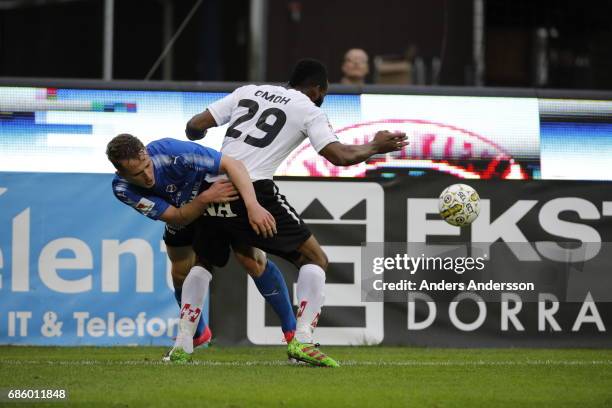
point(349, 363)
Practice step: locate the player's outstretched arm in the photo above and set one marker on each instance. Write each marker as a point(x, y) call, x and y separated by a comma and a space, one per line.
point(346, 155)
point(220, 192)
point(199, 124)
point(260, 219)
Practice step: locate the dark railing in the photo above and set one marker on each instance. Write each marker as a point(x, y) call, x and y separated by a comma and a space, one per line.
point(334, 88)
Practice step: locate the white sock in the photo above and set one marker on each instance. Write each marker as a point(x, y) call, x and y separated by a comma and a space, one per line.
point(195, 288)
point(311, 295)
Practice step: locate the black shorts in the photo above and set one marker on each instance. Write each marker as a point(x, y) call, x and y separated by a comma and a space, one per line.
point(228, 224)
point(178, 235)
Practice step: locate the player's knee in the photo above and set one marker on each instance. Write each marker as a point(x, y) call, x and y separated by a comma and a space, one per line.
point(252, 260)
point(312, 253)
point(204, 263)
point(181, 261)
point(254, 266)
point(179, 271)
point(320, 259)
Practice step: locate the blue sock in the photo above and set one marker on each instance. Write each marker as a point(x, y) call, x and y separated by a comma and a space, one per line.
point(201, 324)
point(272, 286)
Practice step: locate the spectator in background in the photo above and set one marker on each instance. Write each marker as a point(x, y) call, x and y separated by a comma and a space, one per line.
point(355, 67)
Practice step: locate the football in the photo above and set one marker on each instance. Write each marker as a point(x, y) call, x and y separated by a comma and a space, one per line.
point(459, 205)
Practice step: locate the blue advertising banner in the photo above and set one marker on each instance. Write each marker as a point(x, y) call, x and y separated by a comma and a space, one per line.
point(77, 267)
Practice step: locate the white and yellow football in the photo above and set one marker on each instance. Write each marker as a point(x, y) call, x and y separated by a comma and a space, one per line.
point(459, 205)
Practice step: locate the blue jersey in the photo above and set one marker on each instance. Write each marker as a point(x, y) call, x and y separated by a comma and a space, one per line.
point(180, 169)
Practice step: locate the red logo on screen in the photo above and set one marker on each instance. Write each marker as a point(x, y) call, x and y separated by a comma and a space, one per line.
point(433, 145)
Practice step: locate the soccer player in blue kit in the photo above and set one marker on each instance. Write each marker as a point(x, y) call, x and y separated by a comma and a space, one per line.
point(166, 180)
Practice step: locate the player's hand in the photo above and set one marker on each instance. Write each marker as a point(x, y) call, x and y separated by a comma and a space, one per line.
point(194, 134)
point(385, 141)
point(221, 191)
point(262, 221)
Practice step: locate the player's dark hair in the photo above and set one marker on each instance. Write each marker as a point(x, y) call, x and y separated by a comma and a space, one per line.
point(308, 72)
point(123, 147)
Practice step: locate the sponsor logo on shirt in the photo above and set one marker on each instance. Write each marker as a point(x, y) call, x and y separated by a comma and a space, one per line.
point(170, 188)
point(145, 206)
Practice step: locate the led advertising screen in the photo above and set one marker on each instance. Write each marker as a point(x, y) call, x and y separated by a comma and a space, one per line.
point(576, 139)
point(66, 130)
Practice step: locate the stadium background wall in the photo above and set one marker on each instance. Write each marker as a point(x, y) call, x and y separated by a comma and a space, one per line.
point(77, 267)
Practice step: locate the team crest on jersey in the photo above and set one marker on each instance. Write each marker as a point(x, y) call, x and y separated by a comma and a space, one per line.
point(145, 206)
point(170, 188)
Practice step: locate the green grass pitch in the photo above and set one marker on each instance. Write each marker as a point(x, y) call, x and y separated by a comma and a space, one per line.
point(260, 377)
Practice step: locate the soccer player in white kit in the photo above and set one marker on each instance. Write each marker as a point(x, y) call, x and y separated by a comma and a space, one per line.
point(267, 122)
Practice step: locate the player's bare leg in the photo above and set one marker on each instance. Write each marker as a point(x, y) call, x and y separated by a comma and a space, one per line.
point(182, 258)
point(253, 260)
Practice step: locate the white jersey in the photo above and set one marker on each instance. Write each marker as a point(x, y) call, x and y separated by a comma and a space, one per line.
point(266, 123)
